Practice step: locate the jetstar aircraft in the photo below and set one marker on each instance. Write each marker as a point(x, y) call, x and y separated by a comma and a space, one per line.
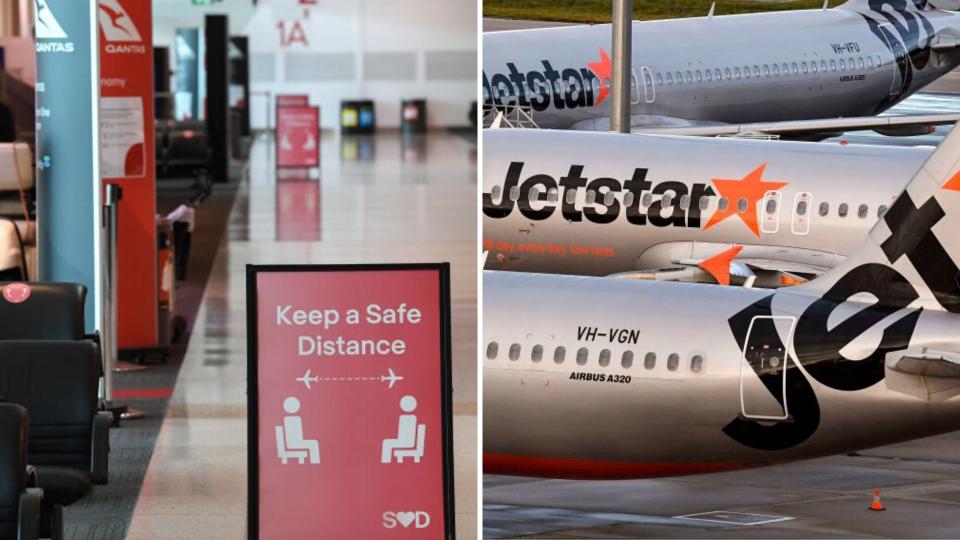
point(682, 208)
point(799, 74)
point(589, 377)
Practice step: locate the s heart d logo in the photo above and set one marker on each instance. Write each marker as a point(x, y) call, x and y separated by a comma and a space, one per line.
point(16, 293)
point(417, 520)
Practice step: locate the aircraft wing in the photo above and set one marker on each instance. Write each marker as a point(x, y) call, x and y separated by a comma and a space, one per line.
point(726, 268)
point(773, 265)
point(811, 129)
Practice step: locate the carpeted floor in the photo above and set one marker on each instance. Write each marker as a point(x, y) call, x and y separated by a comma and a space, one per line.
point(105, 514)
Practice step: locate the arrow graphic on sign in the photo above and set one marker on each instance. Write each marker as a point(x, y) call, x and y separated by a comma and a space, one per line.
point(391, 378)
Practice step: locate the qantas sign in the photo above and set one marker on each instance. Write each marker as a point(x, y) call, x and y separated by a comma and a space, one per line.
point(48, 28)
point(119, 30)
point(563, 88)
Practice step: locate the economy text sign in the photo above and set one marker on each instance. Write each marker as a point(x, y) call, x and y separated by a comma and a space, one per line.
point(349, 418)
point(298, 134)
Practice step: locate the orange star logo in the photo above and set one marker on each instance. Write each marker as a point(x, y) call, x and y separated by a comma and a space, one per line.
point(953, 183)
point(751, 187)
point(603, 69)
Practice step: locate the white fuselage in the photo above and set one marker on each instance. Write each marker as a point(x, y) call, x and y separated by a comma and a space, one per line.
point(554, 234)
point(728, 69)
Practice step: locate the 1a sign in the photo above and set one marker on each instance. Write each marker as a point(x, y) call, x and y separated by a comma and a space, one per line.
point(298, 136)
point(349, 402)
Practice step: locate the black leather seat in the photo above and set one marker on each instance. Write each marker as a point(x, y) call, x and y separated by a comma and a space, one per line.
point(19, 506)
point(57, 381)
point(52, 311)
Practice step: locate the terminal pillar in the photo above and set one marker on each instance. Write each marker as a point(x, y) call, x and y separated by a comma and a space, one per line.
point(68, 157)
point(218, 102)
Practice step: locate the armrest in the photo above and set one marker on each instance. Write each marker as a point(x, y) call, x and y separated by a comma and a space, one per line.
point(28, 524)
point(100, 450)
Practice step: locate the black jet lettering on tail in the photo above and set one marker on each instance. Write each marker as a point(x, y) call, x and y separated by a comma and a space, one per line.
point(906, 48)
point(803, 406)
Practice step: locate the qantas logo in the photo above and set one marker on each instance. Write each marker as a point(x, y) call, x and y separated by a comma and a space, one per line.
point(677, 204)
point(48, 28)
point(564, 88)
point(118, 28)
point(818, 343)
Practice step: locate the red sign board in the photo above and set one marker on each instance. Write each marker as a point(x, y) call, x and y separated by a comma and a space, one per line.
point(127, 158)
point(298, 137)
point(349, 411)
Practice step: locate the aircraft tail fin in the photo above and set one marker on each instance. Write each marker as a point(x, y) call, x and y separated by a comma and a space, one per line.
point(928, 5)
point(914, 249)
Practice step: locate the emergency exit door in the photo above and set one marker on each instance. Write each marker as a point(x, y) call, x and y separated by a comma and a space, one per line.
point(763, 368)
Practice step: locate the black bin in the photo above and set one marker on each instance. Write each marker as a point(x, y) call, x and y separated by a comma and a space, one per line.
point(413, 115)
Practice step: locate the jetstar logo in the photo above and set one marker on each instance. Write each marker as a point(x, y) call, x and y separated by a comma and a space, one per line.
point(564, 88)
point(662, 204)
point(118, 27)
point(48, 28)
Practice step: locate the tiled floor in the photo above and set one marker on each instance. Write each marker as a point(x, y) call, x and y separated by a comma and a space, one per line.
point(388, 198)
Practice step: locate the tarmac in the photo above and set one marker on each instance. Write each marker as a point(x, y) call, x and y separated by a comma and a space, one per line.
point(822, 498)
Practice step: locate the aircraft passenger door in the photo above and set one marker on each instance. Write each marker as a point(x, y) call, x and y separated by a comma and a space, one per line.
point(764, 368)
point(886, 32)
point(649, 88)
point(770, 222)
point(800, 222)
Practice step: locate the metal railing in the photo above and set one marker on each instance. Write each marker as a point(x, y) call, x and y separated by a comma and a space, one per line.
point(511, 116)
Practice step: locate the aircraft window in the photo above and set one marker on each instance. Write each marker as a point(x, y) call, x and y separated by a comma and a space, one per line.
point(608, 199)
point(843, 65)
point(495, 192)
point(862, 211)
point(746, 72)
point(804, 66)
point(536, 354)
point(558, 354)
point(824, 208)
point(591, 196)
point(726, 73)
point(852, 64)
point(647, 79)
point(870, 62)
point(709, 75)
point(570, 195)
point(514, 193)
point(842, 210)
point(736, 73)
point(813, 67)
point(699, 76)
point(553, 195)
point(879, 61)
point(492, 350)
point(689, 77)
point(823, 66)
point(833, 65)
point(628, 199)
point(796, 70)
point(604, 358)
point(722, 205)
point(716, 74)
point(669, 78)
point(647, 199)
point(860, 62)
point(776, 70)
point(756, 71)
point(650, 360)
point(766, 70)
point(881, 211)
point(582, 354)
point(659, 79)
point(802, 208)
point(679, 77)
point(786, 70)
point(685, 202)
point(666, 200)
point(696, 363)
point(673, 361)
point(742, 205)
point(533, 194)
point(514, 353)
point(626, 361)
point(704, 203)
point(771, 206)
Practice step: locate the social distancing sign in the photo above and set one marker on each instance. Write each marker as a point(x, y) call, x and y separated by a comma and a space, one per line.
point(349, 402)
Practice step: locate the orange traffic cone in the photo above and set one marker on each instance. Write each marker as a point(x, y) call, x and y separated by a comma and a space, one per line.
point(877, 506)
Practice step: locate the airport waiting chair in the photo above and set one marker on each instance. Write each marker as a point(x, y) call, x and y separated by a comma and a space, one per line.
point(53, 311)
point(285, 453)
point(57, 381)
point(417, 451)
point(20, 506)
